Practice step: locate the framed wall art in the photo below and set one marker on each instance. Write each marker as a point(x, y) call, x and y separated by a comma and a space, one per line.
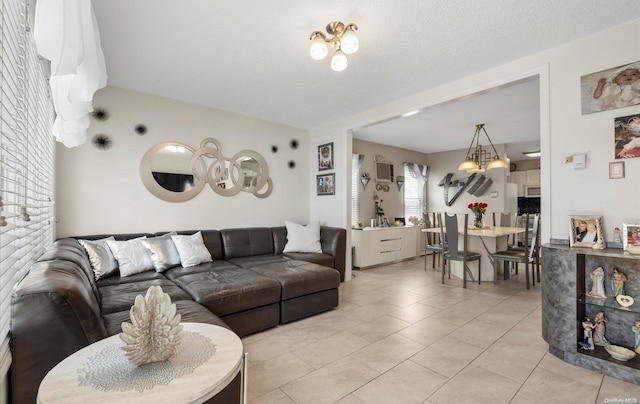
point(617, 87)
point(627, 136)
point(325, 156)
point(586, 231)
point(630, 235)
point(616, 170)
point(325, 184)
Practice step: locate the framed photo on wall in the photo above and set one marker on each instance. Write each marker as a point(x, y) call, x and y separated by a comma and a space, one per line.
point(586, 231)
point(627, 136)
point(325, 156)
point(630, 235)
point(616, 170)
point(617, 87)
point(325, 184)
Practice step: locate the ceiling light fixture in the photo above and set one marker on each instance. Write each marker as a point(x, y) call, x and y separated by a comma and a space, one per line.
point(475, 161)
point(532, 153)
point(343, 40)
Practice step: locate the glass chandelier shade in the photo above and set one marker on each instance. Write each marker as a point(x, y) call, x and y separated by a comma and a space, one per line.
point(339, 61)
point(467, 164)
point(318, 48)
point(349, 42)
point(496, 163)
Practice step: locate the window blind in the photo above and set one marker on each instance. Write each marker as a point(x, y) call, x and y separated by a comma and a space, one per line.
point(413, 194)
point(355, 190)
point(26, 156)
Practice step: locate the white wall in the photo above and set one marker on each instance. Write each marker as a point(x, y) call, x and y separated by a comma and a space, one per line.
point(331, 210)
point(93, 199)
point(563, 129)
point(101, 191)
point(573, 133)
point(394, 199)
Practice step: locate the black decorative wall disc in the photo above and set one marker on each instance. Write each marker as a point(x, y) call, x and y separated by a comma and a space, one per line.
point(102, 142)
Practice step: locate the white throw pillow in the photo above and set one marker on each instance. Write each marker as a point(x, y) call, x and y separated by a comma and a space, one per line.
point(191, 249)
point(102, 260)
point(132, 257)
point(303, 239)
point(163, 251)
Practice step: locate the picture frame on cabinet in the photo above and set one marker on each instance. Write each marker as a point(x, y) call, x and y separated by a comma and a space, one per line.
point(325, 156)
point(325, 184)
point(586, 231)
point(630, 236)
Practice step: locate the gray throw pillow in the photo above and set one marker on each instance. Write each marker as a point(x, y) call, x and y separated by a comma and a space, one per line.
point(102, 260)
point(164, 254)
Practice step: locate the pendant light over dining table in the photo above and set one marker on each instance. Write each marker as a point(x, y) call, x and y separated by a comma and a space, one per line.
point(474, 162)
point(343, 40)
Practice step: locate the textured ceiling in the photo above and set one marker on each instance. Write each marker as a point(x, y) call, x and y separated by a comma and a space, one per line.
point(252, 57)
point(511, 115)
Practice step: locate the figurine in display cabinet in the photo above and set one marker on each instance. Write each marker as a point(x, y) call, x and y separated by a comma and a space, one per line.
point(597, 284)
point(598, 334)
point(588, 327)
point(636, 332)
point(618, 279)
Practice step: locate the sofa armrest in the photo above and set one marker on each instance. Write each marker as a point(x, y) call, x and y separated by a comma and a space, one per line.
point(334, 242)
point(53, 314)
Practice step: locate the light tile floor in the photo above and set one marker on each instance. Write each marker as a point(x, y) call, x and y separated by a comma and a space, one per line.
point(400, 336)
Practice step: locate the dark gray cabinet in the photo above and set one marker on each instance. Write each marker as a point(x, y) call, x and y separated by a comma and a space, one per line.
point(567, 279)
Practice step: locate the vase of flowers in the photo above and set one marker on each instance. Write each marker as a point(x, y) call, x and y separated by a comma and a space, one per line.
point(478, 209)
point(379, 212)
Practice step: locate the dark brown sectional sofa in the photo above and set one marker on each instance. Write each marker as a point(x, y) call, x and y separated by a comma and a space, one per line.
point(250, 286)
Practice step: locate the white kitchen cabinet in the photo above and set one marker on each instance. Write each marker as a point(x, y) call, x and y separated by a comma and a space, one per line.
point(382, 245)
point(519, 178)
point(532, 177)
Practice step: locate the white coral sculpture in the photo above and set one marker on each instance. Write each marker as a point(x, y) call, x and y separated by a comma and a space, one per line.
point(155, 331)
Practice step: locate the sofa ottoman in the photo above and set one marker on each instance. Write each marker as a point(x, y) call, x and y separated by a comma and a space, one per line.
point(307, 288)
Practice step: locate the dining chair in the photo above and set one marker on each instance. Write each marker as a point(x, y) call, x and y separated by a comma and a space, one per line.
point(454, 251)
point(536, 253)
point(536, 238)
point(504, 219)
point(526, 255)
point(433, 241)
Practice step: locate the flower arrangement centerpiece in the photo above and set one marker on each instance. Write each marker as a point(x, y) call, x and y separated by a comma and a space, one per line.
point(478, 209)
point(379, 212)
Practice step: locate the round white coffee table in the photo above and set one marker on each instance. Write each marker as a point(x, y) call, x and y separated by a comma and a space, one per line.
point(87, 376)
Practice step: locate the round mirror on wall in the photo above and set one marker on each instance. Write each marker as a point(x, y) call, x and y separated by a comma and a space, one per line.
point(166, 172)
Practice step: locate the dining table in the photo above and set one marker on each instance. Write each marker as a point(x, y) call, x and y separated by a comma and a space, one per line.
point(486, 241)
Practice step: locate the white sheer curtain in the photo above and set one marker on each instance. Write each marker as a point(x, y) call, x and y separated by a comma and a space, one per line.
point(66, 33)
point(415, 176)
point(356, 163)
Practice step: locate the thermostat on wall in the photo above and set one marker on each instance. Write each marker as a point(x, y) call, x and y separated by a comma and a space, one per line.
point(579, 161)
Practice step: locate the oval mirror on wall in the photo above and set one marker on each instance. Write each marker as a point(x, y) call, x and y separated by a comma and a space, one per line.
point(166, 172)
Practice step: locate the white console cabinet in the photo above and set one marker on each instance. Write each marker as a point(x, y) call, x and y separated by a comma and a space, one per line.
point(381, 245)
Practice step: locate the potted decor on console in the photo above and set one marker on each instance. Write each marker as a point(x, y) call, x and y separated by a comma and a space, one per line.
point(478, 209)
point(379, 212)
